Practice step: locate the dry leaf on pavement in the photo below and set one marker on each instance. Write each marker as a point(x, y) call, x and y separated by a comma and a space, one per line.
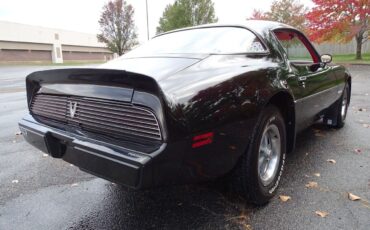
point(312, 184)
point(322, 214)
point(284, 198)
point(358, 151)
point(331, 161)
point(353, 197)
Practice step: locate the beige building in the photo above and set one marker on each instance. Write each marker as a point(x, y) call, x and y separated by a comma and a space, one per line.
point(26, 43)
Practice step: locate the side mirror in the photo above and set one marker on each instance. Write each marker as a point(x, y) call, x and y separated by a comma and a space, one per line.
point(326, 58)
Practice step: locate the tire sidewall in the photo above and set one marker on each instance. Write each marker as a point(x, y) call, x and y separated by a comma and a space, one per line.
point(346, 90)
point(340, 120)
point(269, 116)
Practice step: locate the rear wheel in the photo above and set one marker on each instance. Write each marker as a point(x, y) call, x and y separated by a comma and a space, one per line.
point(258, 173)
point(341, 108)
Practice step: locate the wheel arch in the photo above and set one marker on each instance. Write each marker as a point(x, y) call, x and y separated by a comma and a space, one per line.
point(285, 103)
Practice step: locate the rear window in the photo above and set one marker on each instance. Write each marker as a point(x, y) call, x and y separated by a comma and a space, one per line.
point(215, 40)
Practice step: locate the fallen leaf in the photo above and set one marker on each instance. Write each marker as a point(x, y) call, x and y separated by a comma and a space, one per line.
point(15, 181)
point(74, 184)
point(312, 184)
point(322, 214)
point(331, 161)
point(246, 226)
point(284, 198)
point(45, 155)
point(353, 197)
point(317, 174)
point(358, 151)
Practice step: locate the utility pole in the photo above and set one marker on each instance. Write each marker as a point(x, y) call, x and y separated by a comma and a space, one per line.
point(147, 19)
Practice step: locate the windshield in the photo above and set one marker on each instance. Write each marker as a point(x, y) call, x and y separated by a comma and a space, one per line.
point(215, 40)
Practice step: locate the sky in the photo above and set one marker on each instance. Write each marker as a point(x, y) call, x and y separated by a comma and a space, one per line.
point(83, 15)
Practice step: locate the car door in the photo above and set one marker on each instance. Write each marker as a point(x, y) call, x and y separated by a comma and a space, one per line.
point(313, 82)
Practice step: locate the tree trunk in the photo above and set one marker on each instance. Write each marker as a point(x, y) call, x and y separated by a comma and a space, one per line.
point(359, 47)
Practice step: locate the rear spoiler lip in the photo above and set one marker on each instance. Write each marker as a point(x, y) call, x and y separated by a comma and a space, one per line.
point(108, 78)
point(88, 90)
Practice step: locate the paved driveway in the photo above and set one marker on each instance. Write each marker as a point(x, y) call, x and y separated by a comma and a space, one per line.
point(37, 192)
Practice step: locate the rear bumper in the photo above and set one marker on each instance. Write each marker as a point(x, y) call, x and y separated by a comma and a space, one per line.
point(115, 163)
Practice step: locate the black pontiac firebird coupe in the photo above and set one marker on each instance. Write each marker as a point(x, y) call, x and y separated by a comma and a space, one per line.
point(190, 105)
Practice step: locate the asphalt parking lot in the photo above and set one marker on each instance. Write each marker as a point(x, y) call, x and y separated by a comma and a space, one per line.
point(38, 192)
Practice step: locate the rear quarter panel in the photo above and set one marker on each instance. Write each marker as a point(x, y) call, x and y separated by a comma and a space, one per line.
point(223, 94)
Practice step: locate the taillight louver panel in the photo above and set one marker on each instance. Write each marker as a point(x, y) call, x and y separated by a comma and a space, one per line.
point(105, 117)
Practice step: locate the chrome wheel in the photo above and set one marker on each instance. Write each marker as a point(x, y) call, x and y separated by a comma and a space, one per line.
point(269, 154)
point(344, 108)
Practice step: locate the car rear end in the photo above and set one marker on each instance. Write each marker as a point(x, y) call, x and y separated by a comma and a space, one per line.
point(109, 123)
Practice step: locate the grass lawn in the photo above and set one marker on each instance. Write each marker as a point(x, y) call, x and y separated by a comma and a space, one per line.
point(350, 59)
point(341, 58)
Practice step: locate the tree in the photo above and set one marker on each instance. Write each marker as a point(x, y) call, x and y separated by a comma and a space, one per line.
point(185, 13)
point(258, 15)
point(290, 12)
point(117, 28)
point(341, 21)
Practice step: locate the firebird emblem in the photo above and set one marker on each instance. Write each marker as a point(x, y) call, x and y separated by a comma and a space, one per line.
point(72, 109)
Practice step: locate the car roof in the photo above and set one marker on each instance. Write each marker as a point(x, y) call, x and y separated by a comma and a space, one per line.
point(261, 27)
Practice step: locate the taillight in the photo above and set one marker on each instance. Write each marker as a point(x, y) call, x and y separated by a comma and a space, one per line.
point(202, 139)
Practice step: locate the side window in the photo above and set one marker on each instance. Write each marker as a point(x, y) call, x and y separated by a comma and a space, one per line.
point(294, 47)
point(256, 46)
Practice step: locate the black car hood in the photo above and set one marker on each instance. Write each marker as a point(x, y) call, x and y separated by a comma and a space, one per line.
point(158, 68)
